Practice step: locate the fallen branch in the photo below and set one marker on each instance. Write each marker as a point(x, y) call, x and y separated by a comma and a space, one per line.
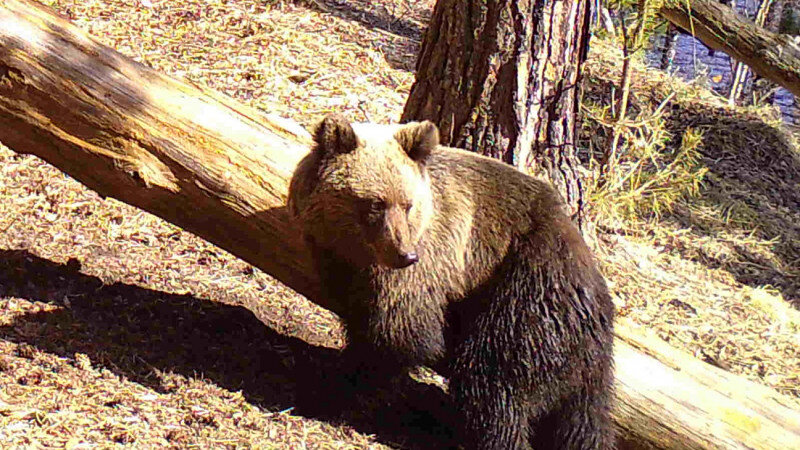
point(221, 170)
point(773, 56)
point(190, 156)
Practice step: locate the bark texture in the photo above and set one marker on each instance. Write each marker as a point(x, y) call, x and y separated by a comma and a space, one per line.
point(192, 157)
point(773, 56)
point(500, 77)
point(667, 399)
point(221, 170)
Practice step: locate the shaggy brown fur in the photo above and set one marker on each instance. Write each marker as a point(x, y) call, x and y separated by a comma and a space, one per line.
point(442, 257)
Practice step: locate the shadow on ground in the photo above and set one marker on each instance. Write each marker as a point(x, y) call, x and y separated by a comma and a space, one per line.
point(132, 330)
point(403, 21)
point(402, 27)
point(753, 186)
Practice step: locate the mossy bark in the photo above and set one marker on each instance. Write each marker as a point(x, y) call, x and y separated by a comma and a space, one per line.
point(501, 77)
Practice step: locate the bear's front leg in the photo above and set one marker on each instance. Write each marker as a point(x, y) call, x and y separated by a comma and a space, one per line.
point(533, 366)
point(582, 422)
point(492, 418)
point(365, 370)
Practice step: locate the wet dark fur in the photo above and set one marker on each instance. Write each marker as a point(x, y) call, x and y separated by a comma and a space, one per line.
point(505, 301)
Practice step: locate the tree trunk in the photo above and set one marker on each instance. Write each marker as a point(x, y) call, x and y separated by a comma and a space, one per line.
point(500, 77)
point(221, 170)
point(740, 70)
point(773, 56)
point(784, 18)
point(668, 49)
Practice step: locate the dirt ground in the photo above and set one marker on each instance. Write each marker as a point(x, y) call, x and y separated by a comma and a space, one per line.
point(118, 329)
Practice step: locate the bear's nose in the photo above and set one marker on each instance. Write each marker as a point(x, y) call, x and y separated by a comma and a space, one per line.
point(408, 259)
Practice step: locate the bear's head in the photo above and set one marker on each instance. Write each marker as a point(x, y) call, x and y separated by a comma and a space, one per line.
point(364, 191)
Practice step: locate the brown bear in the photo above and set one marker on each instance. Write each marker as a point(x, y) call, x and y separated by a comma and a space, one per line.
point(437, 256)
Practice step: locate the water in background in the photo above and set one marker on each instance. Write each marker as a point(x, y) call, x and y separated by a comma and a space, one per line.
point(693, 59)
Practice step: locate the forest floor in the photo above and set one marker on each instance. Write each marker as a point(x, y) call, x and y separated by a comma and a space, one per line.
point(117, 328)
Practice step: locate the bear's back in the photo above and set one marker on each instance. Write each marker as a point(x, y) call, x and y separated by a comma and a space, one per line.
point(480, 206)
point(499, 198)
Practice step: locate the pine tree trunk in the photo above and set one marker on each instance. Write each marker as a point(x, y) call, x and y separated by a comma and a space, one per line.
point(784, 17)
point(500, 77)
point(668, 49)
point(740, 70)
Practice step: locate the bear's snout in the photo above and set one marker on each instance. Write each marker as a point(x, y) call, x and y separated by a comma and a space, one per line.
point(392, 256)
point(395, 246)
point(407, 259)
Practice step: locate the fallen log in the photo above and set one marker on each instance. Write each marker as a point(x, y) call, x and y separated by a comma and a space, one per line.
point(773, 56)
point(188, 155)
point(221, 170)
point(671, 400)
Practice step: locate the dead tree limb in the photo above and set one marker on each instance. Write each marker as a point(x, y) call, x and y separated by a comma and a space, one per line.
point(221, 170)
point(190, 156)
point(773, 56)
point(671, 400)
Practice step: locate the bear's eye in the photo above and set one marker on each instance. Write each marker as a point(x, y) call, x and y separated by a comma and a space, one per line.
point(371, 210)
point(377, 206)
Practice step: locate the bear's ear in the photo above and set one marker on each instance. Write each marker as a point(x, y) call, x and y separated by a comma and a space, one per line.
point(418, 139)
point(335, 135)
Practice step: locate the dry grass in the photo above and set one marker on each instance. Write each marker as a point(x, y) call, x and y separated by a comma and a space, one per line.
point(299, 59)
point(117, 328)
point(152, 337)
point(704, 250)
